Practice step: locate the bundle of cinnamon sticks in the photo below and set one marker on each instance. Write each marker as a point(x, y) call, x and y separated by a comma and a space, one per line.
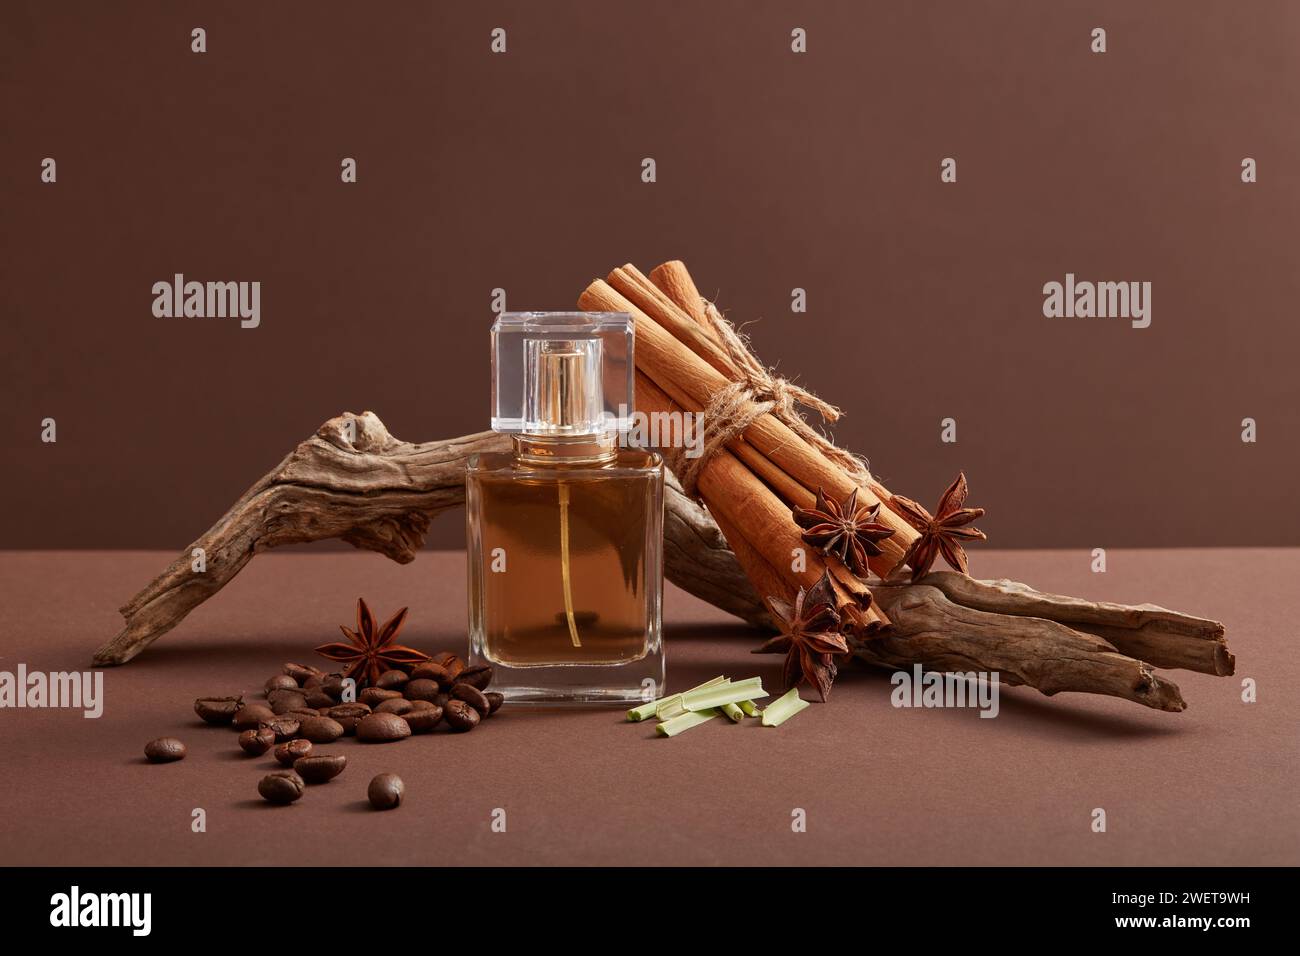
point(765, 470)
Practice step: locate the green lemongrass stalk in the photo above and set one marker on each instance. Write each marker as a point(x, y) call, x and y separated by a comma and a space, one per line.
point(643, 712)
point(670, 707)
point(731, 693)
point(683, 722)
point(648, 709)
point(751, 709)
point(733, 713)
point(783, 708)
point(675, 706)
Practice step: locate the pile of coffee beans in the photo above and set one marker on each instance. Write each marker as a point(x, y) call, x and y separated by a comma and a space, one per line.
point(306, 707)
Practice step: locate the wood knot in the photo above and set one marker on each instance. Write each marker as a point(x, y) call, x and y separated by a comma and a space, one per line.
point(362, 433)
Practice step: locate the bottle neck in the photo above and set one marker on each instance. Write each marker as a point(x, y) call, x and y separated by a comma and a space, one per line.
point(566, 449)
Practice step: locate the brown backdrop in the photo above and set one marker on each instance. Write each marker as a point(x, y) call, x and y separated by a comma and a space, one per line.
point(775, 171)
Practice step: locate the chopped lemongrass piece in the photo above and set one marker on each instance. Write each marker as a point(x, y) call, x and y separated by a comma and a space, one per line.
point(670, 707)
point(692, 718)
point(674, 705)
point(750, 708)
point(733, 713)
point(648, 709)
point(783, 708)
point(643, 712)
point(724, 694)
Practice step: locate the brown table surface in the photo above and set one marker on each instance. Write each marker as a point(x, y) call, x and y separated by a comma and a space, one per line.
point(1213, 785)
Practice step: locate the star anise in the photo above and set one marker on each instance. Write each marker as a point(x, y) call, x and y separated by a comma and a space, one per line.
point(843, 529)
point(370, 651)
point(810, 636)
point(940, 532)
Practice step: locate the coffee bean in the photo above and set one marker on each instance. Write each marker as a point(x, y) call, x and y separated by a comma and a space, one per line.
point(164, 750)
point(284, 727)
point(460, 716)
point(291, 750)
point(376, 695)
point(320, 730)
point(218, 710)
point(472, 696)
point(348, 715)
point(422, 688)
point(282, 701)
point(441, 699)
point(386, 791)
point(300, 713)
point(431, 670)
point(257, 741)
point(315, 680)
point(449, 662)
point(318, 768)
point(421, 705)
point(300, 672)
point(423, 720)
point(392, 680)
point(382, 728)
point(333, 685)
point(280, 682)
point(281, 786)
point(478, 676)
point(317, 698)
point(396, 706)
point(495, 701)
point(251, 716)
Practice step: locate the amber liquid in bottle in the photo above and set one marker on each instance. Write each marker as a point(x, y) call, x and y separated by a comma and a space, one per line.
point(564, 575)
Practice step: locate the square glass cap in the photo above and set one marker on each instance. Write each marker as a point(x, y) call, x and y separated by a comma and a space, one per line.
point(562, 373)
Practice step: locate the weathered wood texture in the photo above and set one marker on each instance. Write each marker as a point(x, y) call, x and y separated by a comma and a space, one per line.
point(927, 628)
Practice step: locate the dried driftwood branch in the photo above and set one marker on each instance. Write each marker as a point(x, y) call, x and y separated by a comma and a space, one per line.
point(927, 628)
point(1161, 637)
point(353, 480)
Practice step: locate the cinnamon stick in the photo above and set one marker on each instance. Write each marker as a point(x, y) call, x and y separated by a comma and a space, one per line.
point(791, 492)
point(765, 578)
point(629, 282)
point(676, 282)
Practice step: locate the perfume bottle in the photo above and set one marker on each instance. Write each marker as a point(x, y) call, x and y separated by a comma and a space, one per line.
point(565, 531)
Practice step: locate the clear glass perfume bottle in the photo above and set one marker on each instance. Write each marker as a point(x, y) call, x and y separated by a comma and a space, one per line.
point(565, 532)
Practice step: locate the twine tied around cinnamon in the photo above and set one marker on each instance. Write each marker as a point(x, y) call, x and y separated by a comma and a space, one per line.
point(757, 393)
